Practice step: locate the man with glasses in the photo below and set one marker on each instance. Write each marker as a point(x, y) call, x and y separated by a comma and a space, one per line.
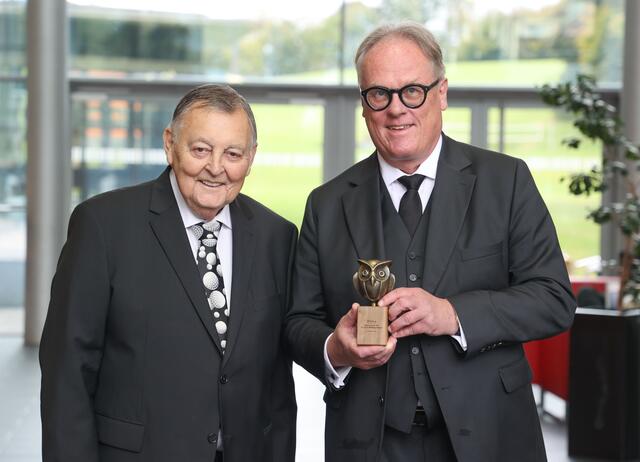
point(478, 272)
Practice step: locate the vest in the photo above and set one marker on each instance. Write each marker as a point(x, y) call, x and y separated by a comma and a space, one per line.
point(408, 376)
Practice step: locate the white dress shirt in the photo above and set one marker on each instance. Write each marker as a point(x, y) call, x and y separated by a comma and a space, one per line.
point(390, 176)
point(224, 245)
point(225, 238)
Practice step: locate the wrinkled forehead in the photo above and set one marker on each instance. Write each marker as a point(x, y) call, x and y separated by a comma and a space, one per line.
point(392, 61)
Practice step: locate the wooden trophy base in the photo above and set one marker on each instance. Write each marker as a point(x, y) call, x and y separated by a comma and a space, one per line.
point(373, 324)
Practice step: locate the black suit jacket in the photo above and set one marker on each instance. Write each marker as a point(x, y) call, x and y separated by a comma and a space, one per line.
point(491, 250)
point(132, 368)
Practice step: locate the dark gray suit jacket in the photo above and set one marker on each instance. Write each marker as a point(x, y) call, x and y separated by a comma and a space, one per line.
point(491, 250)
point(132, 368)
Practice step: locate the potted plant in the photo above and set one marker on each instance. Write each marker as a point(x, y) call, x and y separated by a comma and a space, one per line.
point(604, 375)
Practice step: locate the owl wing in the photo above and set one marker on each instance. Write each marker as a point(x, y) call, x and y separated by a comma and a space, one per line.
point(392, 281)
point(356, 283)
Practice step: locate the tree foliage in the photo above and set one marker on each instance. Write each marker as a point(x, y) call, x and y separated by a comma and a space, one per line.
point(598, 121)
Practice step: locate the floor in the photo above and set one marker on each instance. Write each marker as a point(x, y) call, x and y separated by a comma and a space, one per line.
point(20, 418)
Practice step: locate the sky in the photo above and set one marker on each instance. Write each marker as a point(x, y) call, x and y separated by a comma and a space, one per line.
point(285, 9)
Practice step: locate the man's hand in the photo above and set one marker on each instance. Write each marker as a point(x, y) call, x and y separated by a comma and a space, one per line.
point(343, 349)
point(414, 311)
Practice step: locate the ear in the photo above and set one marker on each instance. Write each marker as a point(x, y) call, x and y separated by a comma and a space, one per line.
point(168, 143)
point(442, 94)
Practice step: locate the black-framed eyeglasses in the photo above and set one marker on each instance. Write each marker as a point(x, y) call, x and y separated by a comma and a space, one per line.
point(413, 95)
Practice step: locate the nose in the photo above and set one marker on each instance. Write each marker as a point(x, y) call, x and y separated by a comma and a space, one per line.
point(396, 106)
point(215, 165)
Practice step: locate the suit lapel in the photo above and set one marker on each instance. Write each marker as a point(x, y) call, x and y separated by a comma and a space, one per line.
point(451, 197)
point(169, 230)
point(362, 211)
point(243, 255)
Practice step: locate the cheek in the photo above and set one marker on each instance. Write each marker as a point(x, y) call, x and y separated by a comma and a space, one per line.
point(237, 173)
point(187, 165)
point(374, 125)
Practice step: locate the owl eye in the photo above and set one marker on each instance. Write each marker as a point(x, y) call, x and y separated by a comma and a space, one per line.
point(381, 273)
point(365, 272)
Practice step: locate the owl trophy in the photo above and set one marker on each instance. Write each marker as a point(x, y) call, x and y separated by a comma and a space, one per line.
point(373, 280)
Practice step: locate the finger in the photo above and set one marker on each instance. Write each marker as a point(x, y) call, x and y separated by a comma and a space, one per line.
point(386, 351)
point(406, 331)
point(397, 308)
point(406, 319)
point(392, 296)
point(370, 362)
point(351, 318)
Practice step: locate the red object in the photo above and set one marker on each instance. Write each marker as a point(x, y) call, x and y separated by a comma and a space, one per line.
point(549, 358)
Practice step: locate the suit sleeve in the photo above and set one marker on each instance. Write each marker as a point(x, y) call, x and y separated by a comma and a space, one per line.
point(72, 342)
point(284, 398)
point(538, 302)
point(306, 324)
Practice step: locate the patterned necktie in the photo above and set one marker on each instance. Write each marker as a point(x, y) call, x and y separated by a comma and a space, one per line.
point(410, 209)
point(211, 272)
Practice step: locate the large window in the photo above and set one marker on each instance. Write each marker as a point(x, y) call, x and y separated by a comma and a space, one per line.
point(13, 104)
point(535, 135)
point(489, 42)
point(118, 142)
point(235, 42)
point(283, 44)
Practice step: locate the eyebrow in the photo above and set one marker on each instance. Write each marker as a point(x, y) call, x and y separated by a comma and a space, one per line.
point(210, 143)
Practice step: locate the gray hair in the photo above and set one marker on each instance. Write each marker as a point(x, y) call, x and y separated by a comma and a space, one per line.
point(410, 30)
point(217, 97)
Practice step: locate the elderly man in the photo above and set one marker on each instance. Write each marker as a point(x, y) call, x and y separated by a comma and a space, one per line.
point(162, 340)
point(478, 272)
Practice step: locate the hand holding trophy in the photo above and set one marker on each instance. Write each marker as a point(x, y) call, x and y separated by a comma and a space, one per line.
point(373, 280)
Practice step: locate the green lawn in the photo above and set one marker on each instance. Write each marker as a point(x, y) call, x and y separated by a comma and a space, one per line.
point(295, 130)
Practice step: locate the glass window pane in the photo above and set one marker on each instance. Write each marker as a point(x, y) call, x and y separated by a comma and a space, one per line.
point(116, 142)
point(13, 192)
point(510, 43)
point(12, 37)
point(279, 41)
point(288, 164)
point(364, 145)
point(535, 135)
point(456, 123)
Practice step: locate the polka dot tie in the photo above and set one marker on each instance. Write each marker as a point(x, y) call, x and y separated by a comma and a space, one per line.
point(211, 273)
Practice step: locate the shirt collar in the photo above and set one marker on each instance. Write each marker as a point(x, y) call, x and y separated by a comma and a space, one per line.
point(427, 168)
point(188, 217)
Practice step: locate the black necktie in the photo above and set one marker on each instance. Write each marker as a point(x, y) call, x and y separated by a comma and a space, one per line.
point(410, 205)
point(211, 273)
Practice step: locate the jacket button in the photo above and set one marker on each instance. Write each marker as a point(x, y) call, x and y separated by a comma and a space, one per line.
point(415, 350)
point(413, 277)
point(224, 379)
point(381, 400)
point(412, 255)
point(212, 438)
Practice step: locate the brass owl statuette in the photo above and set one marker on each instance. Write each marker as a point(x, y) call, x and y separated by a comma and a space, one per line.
point(372, 281)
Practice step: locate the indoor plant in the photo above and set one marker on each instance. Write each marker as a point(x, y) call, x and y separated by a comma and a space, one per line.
point(598, 121)
point(604, 353)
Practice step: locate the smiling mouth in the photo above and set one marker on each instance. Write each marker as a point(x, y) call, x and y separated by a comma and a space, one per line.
point(399, 127)
point(211, 184)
